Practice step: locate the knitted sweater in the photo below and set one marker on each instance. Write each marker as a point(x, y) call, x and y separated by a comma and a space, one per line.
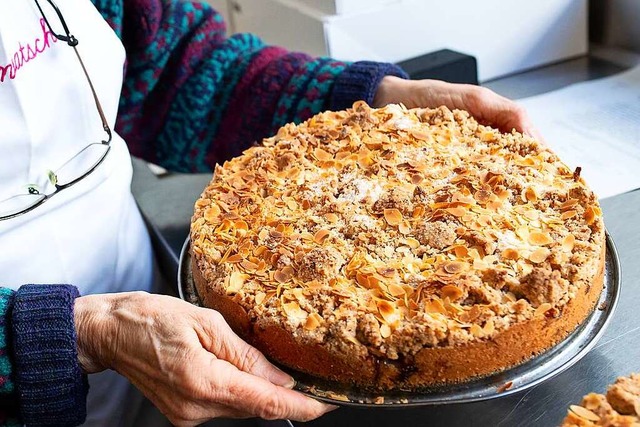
point(191, 98)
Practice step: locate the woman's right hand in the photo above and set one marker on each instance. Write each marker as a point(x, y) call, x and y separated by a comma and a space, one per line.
point(185, 359)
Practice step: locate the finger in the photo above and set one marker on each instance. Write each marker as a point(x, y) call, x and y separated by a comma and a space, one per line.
point(188, 405)
point(266, 400)
point(228, 346)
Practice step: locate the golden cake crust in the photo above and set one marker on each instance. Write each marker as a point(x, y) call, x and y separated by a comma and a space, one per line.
point(397, 248)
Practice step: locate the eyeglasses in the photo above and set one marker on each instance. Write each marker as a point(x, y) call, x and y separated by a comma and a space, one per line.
point(78, 166)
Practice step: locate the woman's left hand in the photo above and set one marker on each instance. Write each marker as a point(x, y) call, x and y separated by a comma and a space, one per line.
point(486, 106)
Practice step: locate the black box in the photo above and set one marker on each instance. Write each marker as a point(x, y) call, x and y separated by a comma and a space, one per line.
point(447, 65)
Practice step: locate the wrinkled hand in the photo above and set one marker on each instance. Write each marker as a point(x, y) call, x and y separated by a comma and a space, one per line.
point(486, 106)
point(185, 359)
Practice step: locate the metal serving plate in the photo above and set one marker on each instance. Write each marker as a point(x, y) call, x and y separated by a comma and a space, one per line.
point(529, 374)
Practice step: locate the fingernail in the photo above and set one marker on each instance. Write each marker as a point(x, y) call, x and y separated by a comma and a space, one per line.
point(281, 378)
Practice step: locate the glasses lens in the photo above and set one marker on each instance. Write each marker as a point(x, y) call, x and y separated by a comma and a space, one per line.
point(18, 204)
point(81, 164)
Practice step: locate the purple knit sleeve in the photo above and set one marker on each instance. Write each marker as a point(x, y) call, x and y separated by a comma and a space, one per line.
point(360, 81)
point(51, 387)
point(193, 97)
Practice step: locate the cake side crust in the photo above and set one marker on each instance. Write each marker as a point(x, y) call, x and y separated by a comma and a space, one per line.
point(430, 366)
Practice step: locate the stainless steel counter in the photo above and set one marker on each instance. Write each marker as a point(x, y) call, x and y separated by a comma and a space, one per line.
point(167, 204)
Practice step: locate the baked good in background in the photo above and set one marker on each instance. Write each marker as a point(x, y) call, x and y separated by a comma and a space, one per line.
point(619, 407)
point(398, 248)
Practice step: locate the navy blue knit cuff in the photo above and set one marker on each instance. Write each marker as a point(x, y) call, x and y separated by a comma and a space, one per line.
point(52, 388)
point(359, 81)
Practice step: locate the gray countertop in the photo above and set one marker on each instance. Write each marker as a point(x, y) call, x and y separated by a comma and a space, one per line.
point(167, 204)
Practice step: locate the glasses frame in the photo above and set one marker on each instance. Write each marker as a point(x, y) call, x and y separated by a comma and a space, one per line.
point(72, 41)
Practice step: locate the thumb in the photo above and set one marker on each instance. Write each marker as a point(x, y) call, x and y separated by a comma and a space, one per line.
point(226, 345)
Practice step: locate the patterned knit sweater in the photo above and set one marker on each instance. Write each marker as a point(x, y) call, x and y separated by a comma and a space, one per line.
point(191, 98)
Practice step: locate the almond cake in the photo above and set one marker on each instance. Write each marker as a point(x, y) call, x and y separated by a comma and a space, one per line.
point(620, 407)
point(398, 248)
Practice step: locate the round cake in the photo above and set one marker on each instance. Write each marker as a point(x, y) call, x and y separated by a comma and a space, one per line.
point(398, 248)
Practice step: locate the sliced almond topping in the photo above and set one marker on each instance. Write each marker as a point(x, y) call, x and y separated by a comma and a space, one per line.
point(452, 292)
point(373, 282)
point(234, 258)
point(282, 276)
point(263, 234)
point(412, 243)
point(529, 195)
point(542, 309)
point(590, 215)
point(320, 236)
point(248, 265)
point(362, 279)
point(569, 204)
point(476, 330)
point(212, 213)
point(461, 251)
point(435, 306)
point(385, 331)
point(489, 327)
point(459, 211)
point(260, 297)
point(419, 134)
point(241, 225)
point(504, 195)
point(322, 155)
point(482, 196)
point(510, 253)
point(392, 216)
point(494, 205)
point(540, 239)
point(584, 413)
point(331, 217)
point(539, 255)
point(236, 281)
point(568, 214)
point(568, 242)
point(455, 267)
point(386, 271)
point(293, 311)
point(387, 311)
point(313, 321)
point(292, 205)
point(416, 178)
point(404, 227)
point(396, 290)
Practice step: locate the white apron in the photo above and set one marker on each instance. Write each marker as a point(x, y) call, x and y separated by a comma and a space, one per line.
point(90, 235)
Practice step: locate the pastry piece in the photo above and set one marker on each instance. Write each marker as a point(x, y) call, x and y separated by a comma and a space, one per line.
point(398, 248)
point(620, 407)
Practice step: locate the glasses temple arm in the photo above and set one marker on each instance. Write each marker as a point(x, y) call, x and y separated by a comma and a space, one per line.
point(105, 125)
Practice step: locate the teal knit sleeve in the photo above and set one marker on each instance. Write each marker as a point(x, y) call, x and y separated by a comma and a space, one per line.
point(9, 407)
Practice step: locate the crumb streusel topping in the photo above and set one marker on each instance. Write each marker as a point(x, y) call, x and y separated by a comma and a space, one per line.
point(388, 230)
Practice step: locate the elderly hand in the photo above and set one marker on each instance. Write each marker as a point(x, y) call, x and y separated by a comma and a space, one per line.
point(486, 106)
point(185, 359)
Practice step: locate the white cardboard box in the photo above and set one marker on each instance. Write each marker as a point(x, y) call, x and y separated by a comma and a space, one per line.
point(506, 36)
point(342, 7)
